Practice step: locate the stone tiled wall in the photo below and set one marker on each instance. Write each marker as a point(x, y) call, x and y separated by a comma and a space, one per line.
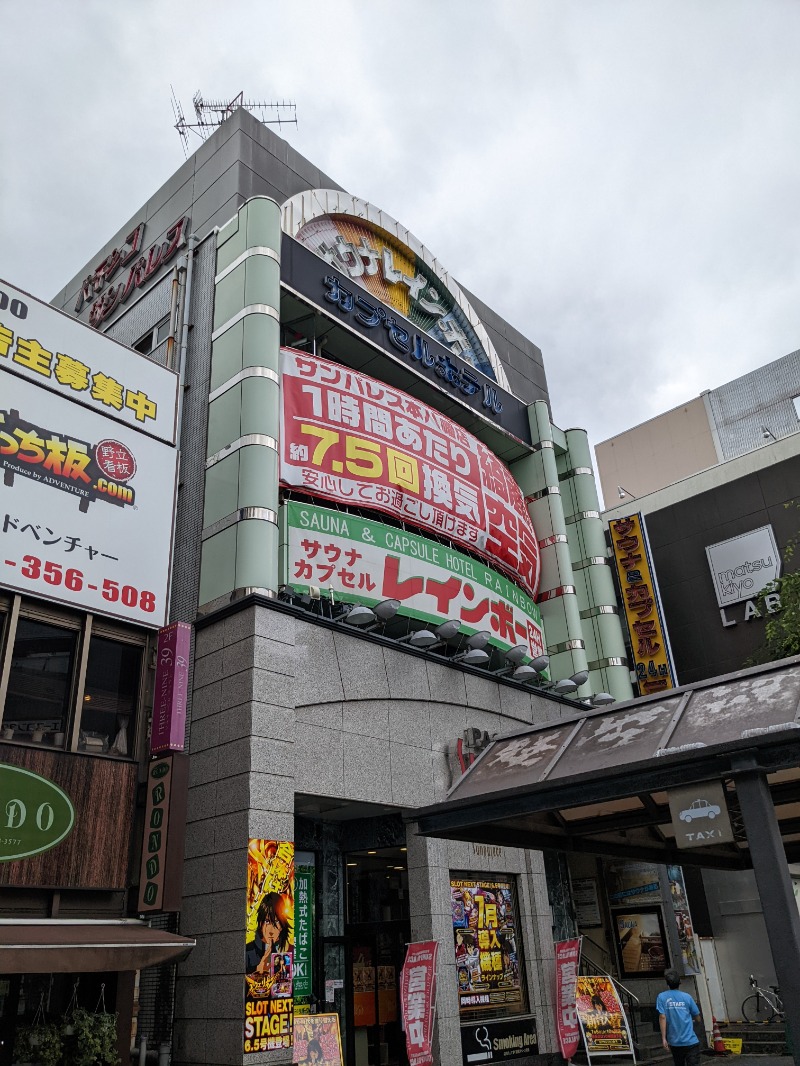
point(284, 706)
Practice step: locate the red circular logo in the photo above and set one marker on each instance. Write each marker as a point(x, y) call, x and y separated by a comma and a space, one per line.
point(115, 460)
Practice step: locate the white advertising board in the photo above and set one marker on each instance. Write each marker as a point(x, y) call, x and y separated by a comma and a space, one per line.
point(46, 346)
point(742, 566)
point(86, 506)
point(362, 561)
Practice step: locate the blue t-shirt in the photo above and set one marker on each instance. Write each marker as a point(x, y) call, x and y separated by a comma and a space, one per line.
point(679, 1009)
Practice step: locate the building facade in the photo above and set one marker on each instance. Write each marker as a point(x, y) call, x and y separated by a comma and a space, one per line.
point(387, 551)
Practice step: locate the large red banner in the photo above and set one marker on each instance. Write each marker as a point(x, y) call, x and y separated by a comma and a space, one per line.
point(418, 1000)
point(352, 439)
point(568, 954)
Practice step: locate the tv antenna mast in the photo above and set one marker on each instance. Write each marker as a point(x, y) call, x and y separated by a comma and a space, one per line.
point(211, 114)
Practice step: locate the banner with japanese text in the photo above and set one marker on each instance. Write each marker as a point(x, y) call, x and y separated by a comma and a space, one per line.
point(655, 671)
point(603, 1022)
point(366, 562)
point(269, 946)
point(568, 955)
point(352, 439)
point(418, 1000)
point(304, 890)
point(86, 505)
point(485, 939)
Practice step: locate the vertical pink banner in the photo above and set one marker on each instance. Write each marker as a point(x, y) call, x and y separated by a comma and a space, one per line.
point(171, 688)
point(568, 954)
point(418, 1000)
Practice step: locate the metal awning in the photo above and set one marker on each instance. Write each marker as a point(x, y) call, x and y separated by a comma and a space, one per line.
point(55, 946)
point(597, 782)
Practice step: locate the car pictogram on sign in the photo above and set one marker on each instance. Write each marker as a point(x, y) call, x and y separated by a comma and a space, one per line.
point(700, 809)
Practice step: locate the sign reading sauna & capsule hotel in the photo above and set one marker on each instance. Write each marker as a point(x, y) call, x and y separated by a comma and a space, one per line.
point(87, 429)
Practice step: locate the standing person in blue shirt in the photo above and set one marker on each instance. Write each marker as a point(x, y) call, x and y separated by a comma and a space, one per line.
point(676, 1013)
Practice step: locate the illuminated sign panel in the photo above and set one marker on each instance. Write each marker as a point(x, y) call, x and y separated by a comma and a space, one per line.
point(366, 562)
point(353, 439)
point(652, 657)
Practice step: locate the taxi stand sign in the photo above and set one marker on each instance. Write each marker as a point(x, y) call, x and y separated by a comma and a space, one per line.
point(700, 815)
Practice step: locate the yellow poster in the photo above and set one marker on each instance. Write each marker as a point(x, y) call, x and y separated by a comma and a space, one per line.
point(269, 946)
point(603, 1021)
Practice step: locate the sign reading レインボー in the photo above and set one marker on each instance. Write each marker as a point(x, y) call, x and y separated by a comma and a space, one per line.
point(655, 671)
point(86, 506)
point(37, 814)
point(48, 347)
point(353, 439)
point(367, 562)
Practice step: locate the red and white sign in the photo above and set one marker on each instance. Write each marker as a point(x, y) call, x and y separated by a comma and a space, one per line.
point(568, 954)
point(418, 1000)
point(352, 439)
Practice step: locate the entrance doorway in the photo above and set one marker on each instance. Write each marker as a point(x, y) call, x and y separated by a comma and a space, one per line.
point(376, 933)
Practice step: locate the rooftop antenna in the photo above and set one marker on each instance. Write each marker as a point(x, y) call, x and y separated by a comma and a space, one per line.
point(210, 114)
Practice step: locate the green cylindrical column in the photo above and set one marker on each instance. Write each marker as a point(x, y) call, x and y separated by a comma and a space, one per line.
point(240, 519)
point(597, 601)
point(537, 477)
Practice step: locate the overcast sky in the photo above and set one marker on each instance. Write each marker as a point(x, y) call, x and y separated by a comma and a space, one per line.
point(617, 178)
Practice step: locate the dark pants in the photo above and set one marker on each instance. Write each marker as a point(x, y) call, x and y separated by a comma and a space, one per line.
point(685, 1054)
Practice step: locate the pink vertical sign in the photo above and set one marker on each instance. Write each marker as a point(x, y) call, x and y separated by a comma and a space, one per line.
point(171, 688)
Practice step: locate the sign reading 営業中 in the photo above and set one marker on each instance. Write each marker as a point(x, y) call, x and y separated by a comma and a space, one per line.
point(37, 814)
point(353, 439)
point(742, 566)
point(568, 954)
point(366, 562)
point(418, 1000)
point(655, 671)
point(86, 506)
point(269, 946)
point(50, 348)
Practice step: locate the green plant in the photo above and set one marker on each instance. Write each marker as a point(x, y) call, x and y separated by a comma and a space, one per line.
point(39, 1043)
point(782, 618)
point(94, 1039)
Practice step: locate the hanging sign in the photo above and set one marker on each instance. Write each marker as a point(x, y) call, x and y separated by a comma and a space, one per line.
point(568, 954)
point(171, 687)
point(418, 1000)
point(161, 875)
point(304, 875)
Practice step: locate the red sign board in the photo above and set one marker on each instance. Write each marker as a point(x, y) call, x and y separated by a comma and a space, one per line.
point(352, 439)
point(418, 1000)
point(171, 687)
point(568, 954)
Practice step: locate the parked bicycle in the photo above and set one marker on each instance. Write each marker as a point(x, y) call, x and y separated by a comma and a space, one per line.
point(765, 1005)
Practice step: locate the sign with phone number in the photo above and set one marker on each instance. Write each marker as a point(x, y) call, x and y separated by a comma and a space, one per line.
point(86, 506)
point(353, 439)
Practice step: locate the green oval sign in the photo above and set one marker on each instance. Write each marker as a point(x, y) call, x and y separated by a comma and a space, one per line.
point(35, 814)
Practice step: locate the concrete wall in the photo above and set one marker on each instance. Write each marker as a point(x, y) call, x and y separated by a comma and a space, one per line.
point(654, 454)
point(284, 706)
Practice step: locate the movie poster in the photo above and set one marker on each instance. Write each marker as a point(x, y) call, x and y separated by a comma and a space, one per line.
point(603, 1021)
point(641, 941)
point(269, 946)
point(486, 941)
point(317, 1040)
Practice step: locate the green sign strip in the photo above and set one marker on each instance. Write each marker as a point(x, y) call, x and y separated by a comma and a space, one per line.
point(304, 879)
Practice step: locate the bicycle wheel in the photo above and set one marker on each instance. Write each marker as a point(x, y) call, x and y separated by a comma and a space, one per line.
point(756, 1009)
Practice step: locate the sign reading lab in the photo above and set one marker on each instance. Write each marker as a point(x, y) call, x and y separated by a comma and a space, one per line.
point(742, 566)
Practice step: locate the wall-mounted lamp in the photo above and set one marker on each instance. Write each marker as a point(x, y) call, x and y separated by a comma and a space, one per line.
point(427, 640)
point(623, 492)
point(366, 618)
point(471, 657)
point(768, 434)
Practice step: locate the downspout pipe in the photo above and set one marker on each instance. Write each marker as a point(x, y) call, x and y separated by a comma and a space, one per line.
point(192, 243)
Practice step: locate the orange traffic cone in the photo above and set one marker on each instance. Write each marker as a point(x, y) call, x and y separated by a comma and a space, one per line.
point(719, 1047)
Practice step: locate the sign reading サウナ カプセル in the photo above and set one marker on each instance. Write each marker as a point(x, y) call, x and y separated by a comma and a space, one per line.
point(366, 562)
point(353, 439)
point(87, 492)
point(37, 814)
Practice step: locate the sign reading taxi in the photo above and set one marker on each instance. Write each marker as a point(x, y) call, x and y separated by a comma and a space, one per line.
point(700, 815)
point(44, 345)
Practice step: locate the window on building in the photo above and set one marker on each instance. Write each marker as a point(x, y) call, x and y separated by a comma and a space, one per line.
point(155, 336)
point(40, 683)
point(69, 681)
point(796, 402)
point(110, 696)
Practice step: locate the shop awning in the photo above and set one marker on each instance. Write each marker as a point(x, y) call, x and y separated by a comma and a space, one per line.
point(600, 782)
point(55, 946)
